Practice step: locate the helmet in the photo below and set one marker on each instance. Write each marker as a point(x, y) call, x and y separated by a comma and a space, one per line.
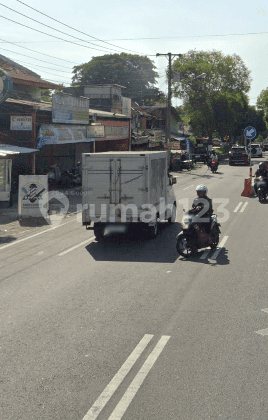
point(201, 188)
point(261, 165)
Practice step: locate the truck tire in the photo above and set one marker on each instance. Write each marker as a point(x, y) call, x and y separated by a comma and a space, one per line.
point(172, 218)
point(99, 231)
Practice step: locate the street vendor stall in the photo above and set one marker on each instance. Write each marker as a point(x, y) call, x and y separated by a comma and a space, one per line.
point(179, 160)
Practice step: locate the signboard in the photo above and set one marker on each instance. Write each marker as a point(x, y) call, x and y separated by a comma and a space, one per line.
point(172, 145)
point(21, 123)
point(250, 132)
point(68, 109)
point(6, 86)
point(31, 191)
point(61, 134)
point(116, 132)
point(95, 131)
point(188, 145)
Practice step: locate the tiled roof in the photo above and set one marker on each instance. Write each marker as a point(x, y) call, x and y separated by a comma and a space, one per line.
point(22, 75)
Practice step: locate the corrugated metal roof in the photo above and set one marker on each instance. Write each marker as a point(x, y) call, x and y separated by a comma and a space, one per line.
point(9, 149)
point(106, 114)
point(47, 106)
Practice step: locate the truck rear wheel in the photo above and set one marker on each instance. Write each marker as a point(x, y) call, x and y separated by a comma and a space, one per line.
point(99, 231)
point(172, 218)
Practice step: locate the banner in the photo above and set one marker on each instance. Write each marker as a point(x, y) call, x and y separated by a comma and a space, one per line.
point(68, 109)
point(62, 134)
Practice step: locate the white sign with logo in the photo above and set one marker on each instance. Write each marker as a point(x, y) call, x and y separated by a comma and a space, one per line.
point(31, 191)
point(21, 122)
point(95, 131)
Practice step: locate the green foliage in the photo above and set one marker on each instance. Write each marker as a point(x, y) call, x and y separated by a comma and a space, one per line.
point(46, 95)
point(136, 73)
point(217, 102)
point(256, 119)
point(259, 139)
point(262, 104)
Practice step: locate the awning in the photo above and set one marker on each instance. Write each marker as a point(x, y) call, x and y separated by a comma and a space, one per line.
point(8, 149)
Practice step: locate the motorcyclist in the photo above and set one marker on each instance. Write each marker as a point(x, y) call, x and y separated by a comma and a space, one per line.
point(213, 157)
point(262, 171)
point(203, 202)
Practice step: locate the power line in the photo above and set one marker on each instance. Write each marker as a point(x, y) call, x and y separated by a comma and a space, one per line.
point(70, 27)
point(53, 36)
point(38, 59)
point(38, 67)
point(190, 36)
point(47, 55)
point(57, 30)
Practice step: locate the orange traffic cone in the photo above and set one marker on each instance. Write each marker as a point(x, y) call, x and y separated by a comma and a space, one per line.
point(248, 190)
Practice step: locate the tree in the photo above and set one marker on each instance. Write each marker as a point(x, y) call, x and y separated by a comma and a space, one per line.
point(136, 73)
point(214, 88)
point(262, 104)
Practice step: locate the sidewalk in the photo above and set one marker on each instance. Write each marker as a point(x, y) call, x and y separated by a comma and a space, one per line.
point(11, 228)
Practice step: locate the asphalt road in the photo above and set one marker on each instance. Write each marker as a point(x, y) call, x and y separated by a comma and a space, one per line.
point(126, 328)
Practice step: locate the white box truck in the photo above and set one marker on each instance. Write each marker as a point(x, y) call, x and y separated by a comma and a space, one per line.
point(127, 187)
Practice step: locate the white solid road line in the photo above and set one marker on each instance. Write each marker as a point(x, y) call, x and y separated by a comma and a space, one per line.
point(76, 246)
point(221, 245)
point(238, 207)
point(133, 388)
point(117, 379)
point(243, 208)
point(205, 254)
point(36, 234)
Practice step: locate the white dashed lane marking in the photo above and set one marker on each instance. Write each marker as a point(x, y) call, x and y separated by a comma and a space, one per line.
point(221, 245)
point(238, 207)
point(205, 254)
point(243, 208)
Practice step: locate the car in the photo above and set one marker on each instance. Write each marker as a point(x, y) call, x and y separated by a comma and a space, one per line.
point(256, 150)
point(238, 154)
point(201, 154)
point(265, 147)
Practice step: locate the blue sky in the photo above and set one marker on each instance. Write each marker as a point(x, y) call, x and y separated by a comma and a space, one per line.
point(173, 26)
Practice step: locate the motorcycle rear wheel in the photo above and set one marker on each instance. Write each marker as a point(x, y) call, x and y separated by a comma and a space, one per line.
point(183, 247)
point(262, 197)
point(215, 241)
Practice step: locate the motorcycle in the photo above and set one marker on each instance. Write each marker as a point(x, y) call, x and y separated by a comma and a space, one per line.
point(194, 236)
point(74, 177)
point(262, 192)
point(214, 166)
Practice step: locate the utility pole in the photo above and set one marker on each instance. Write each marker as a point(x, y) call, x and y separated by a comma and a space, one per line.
point(168, 118)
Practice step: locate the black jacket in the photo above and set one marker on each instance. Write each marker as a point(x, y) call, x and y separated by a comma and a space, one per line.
point(199, 202)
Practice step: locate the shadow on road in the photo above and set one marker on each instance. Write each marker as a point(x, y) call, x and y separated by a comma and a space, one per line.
point(135, 247)
point(33, 222)
point(7, 239)
point(222, 258)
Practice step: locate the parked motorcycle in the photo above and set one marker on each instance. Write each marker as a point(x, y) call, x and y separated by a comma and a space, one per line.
point(194, 236)
point(261, 189)
point(74, 177)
